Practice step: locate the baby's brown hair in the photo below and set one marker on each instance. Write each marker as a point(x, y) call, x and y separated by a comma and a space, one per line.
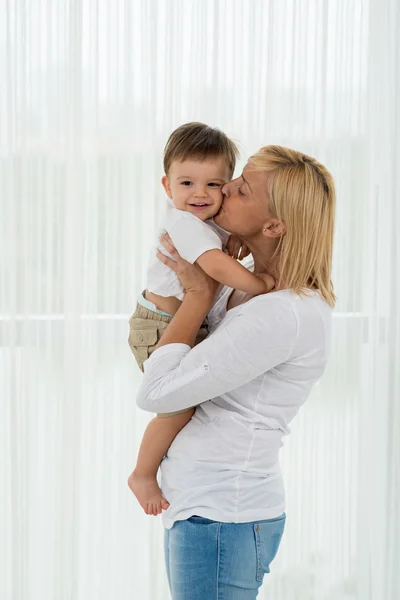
point(199, 141)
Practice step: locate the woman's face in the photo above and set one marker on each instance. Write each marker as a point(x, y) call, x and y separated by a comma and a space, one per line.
point(244, 209)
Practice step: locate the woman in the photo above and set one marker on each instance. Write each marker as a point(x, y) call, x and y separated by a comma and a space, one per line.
point(248, 379)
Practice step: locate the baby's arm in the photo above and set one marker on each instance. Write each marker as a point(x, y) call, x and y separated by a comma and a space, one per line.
point(227, 271)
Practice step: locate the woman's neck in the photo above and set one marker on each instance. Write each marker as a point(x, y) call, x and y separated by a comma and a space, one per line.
point(264, 256)
point(262, 252)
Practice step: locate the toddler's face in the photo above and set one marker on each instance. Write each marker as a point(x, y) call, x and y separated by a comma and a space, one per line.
point(195, 186)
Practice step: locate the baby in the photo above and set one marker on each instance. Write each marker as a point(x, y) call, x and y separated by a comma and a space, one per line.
point(198, 161)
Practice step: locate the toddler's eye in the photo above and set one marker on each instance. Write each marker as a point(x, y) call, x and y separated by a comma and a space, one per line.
point(213, 184)
point(187, 183)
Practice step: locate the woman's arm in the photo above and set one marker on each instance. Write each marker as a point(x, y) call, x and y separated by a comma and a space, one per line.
point(258, 336)
point(187, 321)
point(199, 294)
point(256, 339)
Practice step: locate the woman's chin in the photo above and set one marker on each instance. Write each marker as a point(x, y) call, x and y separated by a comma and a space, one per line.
point(219, 216)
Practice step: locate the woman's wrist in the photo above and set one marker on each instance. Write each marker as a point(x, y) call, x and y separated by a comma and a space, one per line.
point(196, 305)
point(187, 321)
point(202, 299)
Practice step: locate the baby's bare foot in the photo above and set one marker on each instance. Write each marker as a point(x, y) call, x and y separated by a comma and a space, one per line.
point(148, 493)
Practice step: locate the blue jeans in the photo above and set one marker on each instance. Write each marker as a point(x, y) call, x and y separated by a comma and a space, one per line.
point(208, 560)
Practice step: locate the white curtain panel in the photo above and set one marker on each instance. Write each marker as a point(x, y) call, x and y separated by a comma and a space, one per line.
point(89, 92)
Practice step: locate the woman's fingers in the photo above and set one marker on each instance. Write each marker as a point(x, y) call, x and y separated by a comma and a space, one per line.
point(229, 246)
point(191, 276)
point(168, 238)
point(168, 245)
point(244, 251)
point(176, 263)
point(233, 246)
point(238, 247)
point(170, 262)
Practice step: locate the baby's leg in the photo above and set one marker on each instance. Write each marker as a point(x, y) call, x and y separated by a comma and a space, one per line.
point(159, 435)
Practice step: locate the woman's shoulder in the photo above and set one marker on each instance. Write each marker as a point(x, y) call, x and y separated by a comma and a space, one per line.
point(304, 321)
point(302, 307)
point(283, 307)
point(306, 297)
point(267, 306)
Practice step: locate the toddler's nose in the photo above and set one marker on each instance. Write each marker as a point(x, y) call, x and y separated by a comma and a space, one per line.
point(201, 193)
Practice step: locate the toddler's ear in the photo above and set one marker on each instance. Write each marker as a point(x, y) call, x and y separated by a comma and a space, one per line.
point(166, 186)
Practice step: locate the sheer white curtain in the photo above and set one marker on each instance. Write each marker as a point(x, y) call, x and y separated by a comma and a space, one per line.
point(89, 92)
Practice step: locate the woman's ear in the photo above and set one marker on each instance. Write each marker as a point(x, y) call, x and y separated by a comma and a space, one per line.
point(166, 186)
point(274, 228)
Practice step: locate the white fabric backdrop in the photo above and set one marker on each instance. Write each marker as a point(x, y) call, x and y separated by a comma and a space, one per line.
point(90, 90)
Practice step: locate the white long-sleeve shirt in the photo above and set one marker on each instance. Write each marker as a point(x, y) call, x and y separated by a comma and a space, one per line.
point(248, 380)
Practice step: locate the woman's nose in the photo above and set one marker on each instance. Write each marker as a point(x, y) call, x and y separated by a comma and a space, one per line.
point(225, 189)
point(229, 187)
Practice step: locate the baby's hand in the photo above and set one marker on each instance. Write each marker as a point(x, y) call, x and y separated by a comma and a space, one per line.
point(236, 248)
point(268, 280)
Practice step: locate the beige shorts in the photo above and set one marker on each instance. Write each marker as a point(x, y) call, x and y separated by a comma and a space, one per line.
point(146, 328)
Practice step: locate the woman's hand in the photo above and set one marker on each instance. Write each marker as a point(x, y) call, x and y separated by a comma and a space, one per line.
point(236, 248)
point(192, 277)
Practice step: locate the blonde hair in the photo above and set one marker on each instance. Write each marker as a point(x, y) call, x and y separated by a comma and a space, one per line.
point(302, 195)
point(199, 141)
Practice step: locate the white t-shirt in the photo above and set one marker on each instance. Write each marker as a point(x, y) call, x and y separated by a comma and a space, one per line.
point(248, 380)
point(192, 237)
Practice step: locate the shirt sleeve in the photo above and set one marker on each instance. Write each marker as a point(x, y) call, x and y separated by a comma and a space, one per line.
point(256, 339)
point(223, 234)
point(192, 237)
